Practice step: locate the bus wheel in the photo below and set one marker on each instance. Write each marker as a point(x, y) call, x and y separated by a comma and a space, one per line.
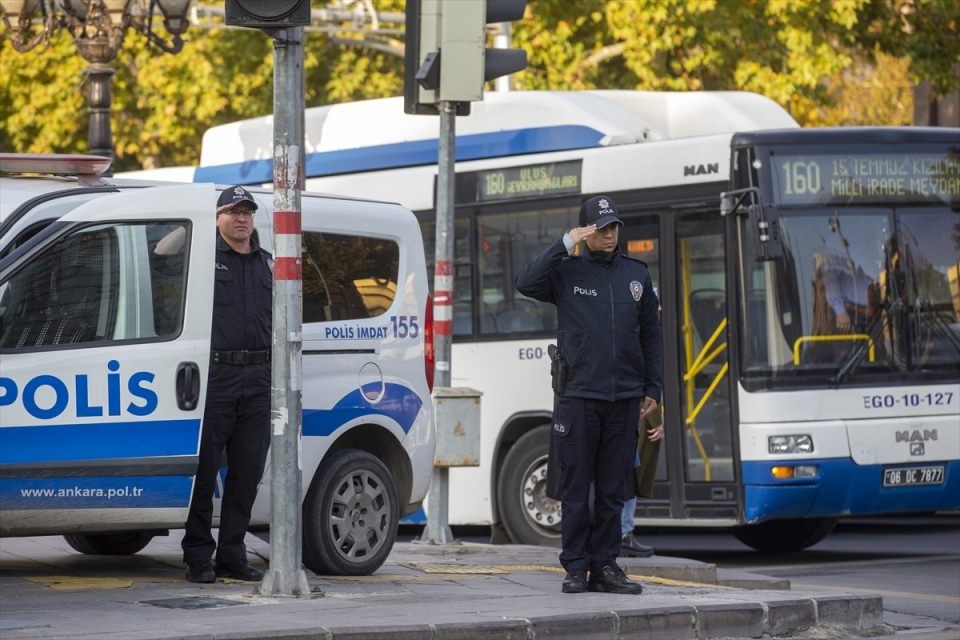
point(528, 515)
point(350, 515)
point(109, 544)
point(781, 536)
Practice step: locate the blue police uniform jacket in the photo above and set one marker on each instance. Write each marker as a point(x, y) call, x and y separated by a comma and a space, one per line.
point(608, 321)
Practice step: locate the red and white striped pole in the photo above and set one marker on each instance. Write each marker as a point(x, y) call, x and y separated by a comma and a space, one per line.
point(286, 575)
point(442, 315)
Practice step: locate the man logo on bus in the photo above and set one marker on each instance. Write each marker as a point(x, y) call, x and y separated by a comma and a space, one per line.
point(636, 290)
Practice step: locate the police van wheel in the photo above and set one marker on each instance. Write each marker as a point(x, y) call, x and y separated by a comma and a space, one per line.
point(782, 536)
point(109, 544)
point(350, 515)
point(528, 515)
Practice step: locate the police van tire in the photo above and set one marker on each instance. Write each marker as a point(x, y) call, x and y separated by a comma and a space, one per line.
point(350, 515)
point(783, 536)
point(109, 544)
point(526, 513)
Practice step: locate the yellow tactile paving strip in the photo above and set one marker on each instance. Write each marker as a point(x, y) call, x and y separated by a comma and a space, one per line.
point(516, 568)
point(433, 571)
point(80, 583)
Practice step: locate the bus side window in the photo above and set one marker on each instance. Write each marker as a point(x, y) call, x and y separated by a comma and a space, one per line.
point(509, 241)
point(520, 314)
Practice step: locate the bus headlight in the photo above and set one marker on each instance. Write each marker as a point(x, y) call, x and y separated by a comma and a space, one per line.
point(801, 443)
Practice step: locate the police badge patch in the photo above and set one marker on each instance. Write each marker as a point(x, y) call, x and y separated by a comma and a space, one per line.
point(636, 290)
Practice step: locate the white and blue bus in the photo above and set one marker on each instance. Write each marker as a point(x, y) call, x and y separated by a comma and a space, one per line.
point(810, 281)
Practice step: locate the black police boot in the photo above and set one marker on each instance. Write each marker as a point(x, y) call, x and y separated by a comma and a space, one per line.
point(612, 580)
point(240, 571)
point(575, 582)
point(632, 549)
point(201, 572)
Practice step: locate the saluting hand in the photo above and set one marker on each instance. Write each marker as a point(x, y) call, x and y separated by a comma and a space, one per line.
point(579, 233)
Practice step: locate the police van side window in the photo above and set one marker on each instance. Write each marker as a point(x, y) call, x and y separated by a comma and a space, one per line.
point(95, 284)
point(348, 277)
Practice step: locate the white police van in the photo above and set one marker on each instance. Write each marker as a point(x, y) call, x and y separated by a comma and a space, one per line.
point(104, 351)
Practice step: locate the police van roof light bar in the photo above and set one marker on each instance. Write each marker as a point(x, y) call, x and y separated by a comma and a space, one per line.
point(86, 168)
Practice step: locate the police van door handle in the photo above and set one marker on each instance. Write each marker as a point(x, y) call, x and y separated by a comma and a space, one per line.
point(188, 385)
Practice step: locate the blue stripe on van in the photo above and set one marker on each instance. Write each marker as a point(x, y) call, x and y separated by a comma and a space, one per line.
point(399, 403)
point(106, 440)
point(417, 517)
point(128, 492)
point(411, 154)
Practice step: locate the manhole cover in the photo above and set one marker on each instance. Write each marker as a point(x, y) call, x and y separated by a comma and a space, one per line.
point(193, 602)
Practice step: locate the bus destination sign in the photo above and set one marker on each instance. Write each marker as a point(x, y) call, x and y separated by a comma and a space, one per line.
point(518, 183)
point(866, 178)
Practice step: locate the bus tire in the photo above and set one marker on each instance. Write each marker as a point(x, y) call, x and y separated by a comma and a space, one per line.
point(783, 536)
point(123, 543)
point(350, 515)
point(528, 515)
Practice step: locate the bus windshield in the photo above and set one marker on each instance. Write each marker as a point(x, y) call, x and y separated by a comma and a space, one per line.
point(854, 293)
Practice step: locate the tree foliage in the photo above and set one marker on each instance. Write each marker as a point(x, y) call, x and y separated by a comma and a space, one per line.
point(826, 61)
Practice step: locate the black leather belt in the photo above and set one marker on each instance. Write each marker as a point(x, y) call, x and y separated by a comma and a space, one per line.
point(240, 357)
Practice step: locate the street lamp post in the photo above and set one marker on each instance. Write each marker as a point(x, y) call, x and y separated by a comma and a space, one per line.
point(98, 28)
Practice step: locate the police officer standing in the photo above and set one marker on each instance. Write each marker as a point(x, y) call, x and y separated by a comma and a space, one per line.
point(608, 374)
point(237, 413)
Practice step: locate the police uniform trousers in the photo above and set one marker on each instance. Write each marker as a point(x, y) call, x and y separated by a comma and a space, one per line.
point(595, 442)
point(236, 419)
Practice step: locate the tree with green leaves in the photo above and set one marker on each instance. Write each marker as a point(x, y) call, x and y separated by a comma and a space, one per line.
point(826, 61)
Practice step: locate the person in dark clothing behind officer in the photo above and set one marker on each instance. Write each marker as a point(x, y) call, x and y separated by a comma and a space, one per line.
point(608, 374)
point(237, 413)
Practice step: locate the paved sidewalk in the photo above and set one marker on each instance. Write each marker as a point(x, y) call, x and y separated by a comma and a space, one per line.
point(469, 591)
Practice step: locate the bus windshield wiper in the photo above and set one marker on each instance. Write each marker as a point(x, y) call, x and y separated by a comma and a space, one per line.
point(927, 314)
point(852, 362)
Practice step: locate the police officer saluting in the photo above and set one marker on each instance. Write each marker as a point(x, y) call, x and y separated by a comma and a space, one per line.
point(608, 374)
point(237, 413)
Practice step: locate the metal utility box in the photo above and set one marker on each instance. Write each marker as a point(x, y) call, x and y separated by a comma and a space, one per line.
point(457, 414)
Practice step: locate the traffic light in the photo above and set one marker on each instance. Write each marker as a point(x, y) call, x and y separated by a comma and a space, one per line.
point(267, 14)
point(421, 34)
point(466, 62)
point(446, 55)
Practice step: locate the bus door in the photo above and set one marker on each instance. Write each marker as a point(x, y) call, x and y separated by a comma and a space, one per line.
point(641, 239)
point(104, 349)
point(699, 426)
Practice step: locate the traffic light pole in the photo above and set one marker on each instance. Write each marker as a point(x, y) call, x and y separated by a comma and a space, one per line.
point(437, 530)
point(285, 576)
